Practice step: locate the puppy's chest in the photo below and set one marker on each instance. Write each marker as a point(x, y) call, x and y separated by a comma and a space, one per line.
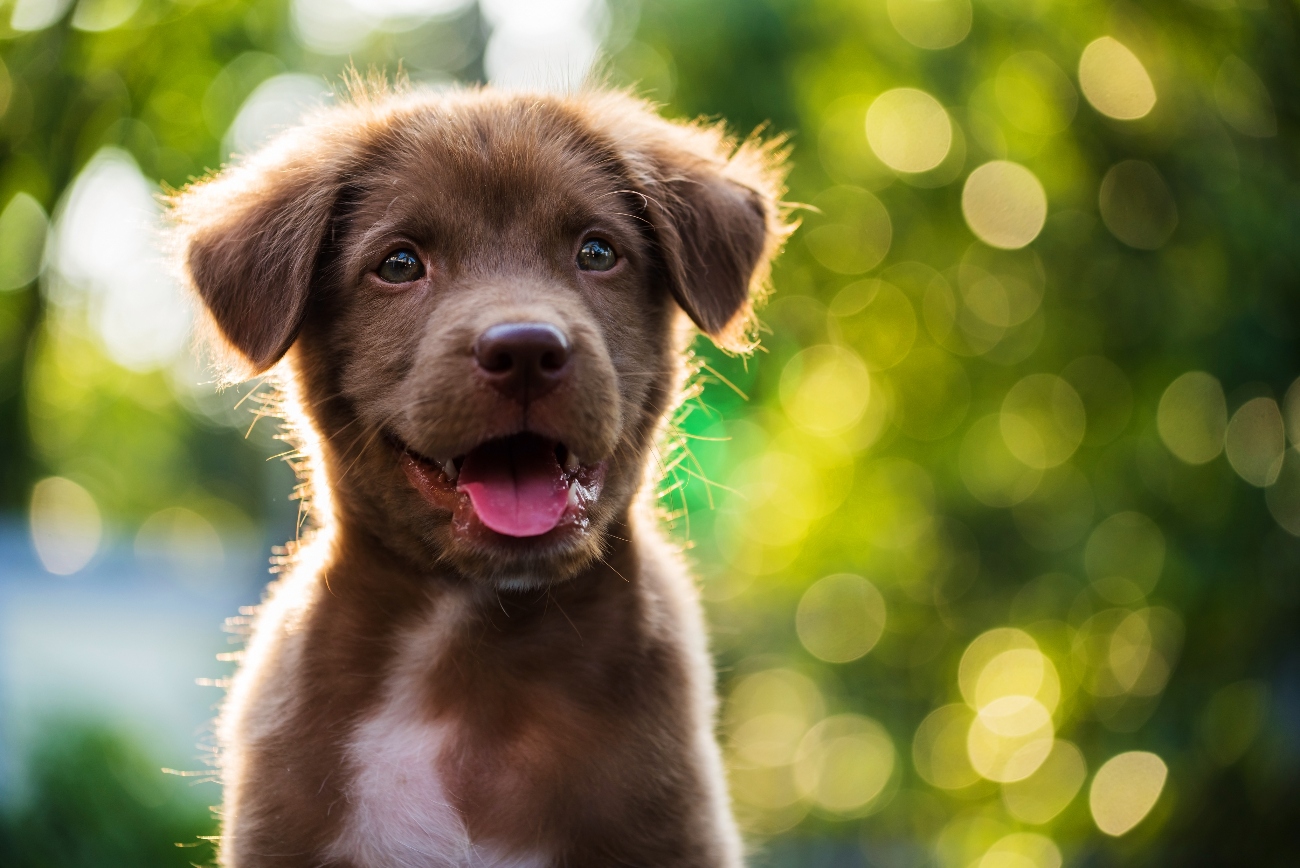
point(401, 812)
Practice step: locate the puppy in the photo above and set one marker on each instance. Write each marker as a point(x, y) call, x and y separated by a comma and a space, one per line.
point(487, 654)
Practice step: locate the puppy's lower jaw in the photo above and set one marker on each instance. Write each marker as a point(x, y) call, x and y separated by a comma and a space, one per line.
point(510, 491)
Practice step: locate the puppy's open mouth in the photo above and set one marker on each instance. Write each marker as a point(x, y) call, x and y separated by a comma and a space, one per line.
point(523, 485)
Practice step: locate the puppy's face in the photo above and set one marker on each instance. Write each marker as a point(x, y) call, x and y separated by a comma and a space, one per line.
point(499, 343)
point(484, 333)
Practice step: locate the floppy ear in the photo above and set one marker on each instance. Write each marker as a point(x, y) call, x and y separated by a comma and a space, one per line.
point(247, 241)
point(713, 234)
point(716, 213)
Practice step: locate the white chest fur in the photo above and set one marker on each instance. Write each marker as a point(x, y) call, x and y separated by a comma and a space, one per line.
point(400, 814)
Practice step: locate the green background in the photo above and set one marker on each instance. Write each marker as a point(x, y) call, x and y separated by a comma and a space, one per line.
point(801, 470)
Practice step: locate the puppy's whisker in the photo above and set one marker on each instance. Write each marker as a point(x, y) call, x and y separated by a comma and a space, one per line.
point(612, 569)
point(551, 599)
point(375, 433)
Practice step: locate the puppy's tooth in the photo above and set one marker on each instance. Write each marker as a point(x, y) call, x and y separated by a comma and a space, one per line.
point(573, 494)
point(449, 468)
point(570, 461)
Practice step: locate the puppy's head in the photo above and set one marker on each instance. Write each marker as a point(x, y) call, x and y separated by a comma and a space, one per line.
point(478, 294)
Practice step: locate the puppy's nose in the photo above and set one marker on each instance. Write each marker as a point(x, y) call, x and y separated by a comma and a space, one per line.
point(523, 360)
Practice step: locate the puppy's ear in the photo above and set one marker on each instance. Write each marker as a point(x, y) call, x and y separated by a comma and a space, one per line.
point(713, 233)
point(247, 242)
point(717, 216)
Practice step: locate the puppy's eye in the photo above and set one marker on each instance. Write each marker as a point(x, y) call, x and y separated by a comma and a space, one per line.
point(596, 255)
point(401, 266)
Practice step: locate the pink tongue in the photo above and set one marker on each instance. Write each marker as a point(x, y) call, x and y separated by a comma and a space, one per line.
point(515, 485)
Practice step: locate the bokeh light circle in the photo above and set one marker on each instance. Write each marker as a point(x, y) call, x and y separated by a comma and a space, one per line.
point(1040, 797)
point(184, 540)
point(1243, 99)
point(931, 24)
point(1291, 412)
point(1010, 738)
point(767, 715)
point(23, 231)
point(1125, 556)
point(1135, 661)
point(1022, 850)
point(1255, 441)
point(845, 763)
point(909, 130)
point(852, 233)
point(1192, 417)
point(1018, 672)
point(877, 320)
point(1128, 652)
point(1137, 206)
point(993, 475)
point(1004, 204)
point(1125, 790)
point(1114, 81)
point(65, 525)
point(840, 618)
point(1017, 275)
point(1283, 496)
point(939, 748)
point(1042, 420)
point(1006, 662)
point(825, 389)
point(275, 105)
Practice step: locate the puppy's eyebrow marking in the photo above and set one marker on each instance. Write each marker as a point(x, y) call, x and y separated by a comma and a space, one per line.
point(645, 200)
point(633, 217)
point(384, 226)
point(623, 194)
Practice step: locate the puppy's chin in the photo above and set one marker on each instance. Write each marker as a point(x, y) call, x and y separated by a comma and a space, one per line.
point(521, 570)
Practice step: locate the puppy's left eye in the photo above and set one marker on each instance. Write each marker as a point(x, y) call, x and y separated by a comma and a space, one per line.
point(401, 266)
point(596, 255)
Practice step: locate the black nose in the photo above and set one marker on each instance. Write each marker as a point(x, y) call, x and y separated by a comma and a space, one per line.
point(523, 360)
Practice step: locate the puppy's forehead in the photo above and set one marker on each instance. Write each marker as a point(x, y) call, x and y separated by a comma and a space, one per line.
point(498, 166)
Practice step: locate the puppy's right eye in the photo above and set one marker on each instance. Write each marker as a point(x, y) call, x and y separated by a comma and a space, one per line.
point(597, 255)
point(401, 266)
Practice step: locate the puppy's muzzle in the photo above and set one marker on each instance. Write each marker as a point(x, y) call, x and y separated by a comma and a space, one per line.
point(522, 360)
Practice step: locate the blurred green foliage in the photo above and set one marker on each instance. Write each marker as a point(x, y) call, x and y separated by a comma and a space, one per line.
point(95, 801)
point(963, 438)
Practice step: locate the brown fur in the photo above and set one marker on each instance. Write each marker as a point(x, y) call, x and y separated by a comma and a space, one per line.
point(569, 676)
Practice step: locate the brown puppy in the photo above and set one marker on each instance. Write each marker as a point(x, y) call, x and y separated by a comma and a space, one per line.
point(487, 655)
